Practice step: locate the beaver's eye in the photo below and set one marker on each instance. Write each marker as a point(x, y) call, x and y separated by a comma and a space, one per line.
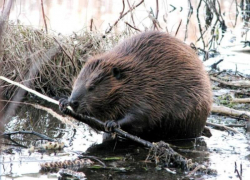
point(91, 88)
point(116, 73)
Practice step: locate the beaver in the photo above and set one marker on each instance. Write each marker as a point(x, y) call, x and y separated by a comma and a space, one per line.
point(151, 85)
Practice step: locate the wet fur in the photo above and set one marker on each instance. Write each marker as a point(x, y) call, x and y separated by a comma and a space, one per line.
point(153, 82)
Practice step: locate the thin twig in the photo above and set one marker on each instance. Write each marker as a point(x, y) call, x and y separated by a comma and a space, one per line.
point(44, 19)
point(174, 8)
point(190, 12)
point(132, 27)
point(15, 143)
point(123, 8)
point(236, 125)
point(132, 17)
point(91, 24)
point(199, 24)
point(71, 60)
point(7, 135)
point(44, 137)
point(222, 127)
point(178, 28)
point(236, 171)
point(157, 9)
point(73, 53)
point(122, 15)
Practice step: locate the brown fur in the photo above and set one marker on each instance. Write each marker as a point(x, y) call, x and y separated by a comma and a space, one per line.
point(152, 84)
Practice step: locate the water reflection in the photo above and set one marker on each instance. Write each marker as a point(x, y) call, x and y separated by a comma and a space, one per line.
point(76, 136)
point(17, 161)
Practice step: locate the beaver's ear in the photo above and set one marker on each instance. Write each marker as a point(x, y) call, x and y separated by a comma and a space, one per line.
point(117, 73)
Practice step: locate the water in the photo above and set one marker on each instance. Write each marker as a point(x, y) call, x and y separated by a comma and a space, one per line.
point(220, 152)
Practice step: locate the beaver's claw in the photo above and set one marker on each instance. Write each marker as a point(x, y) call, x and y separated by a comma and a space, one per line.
point(110, 125)
point(63, 103)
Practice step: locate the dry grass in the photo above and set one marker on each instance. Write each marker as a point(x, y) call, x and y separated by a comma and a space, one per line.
point(47, 63)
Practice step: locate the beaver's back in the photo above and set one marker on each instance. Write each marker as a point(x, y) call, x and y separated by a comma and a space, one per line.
point(164, 87)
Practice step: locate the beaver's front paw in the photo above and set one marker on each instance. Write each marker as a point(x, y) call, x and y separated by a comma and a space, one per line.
point(110, 125)
point(63, 103)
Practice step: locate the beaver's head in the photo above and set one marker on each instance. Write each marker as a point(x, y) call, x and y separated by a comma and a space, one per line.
point(98, 89)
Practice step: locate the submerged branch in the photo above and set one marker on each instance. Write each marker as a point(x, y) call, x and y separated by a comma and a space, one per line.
point(220, 126)
point(7, 135)
point(44, 137)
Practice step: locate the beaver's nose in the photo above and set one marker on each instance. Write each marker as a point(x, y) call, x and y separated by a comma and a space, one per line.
point(74, 103)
